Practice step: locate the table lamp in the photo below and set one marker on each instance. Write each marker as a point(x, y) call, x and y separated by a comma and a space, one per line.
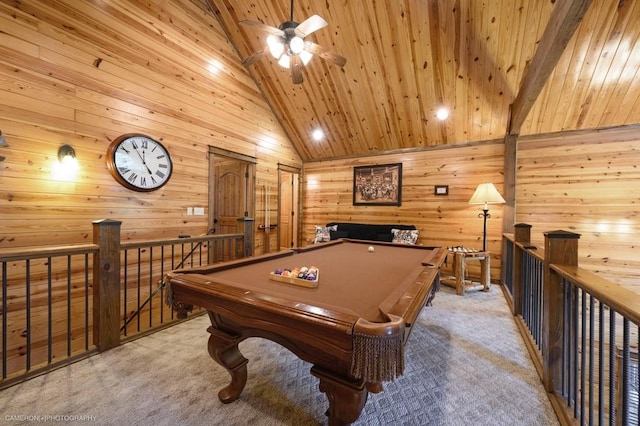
point(486, 193)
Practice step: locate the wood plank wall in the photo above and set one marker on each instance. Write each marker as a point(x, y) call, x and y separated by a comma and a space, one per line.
point(83, 73)
point(442, 220)
point(588, 183)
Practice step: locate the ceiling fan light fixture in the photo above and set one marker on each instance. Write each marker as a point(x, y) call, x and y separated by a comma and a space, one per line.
point(276, 46)
point(296, 45)
point(284, 61)
point(305, 56)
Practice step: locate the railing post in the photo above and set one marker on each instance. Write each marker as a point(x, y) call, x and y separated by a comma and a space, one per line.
point(561, 248)
point(248, 235)
point(106, 284)
point(522, 235)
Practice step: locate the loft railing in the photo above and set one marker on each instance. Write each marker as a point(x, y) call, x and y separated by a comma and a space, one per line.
point(61, 304)
point(582, 331)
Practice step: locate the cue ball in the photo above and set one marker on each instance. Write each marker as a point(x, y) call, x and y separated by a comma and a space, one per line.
point(372, 249)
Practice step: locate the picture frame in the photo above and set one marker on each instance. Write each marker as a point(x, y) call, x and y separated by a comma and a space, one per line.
point(377, 185)
point(441, 190)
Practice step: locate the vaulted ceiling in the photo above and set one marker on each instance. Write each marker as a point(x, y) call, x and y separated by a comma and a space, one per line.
point(500, 66)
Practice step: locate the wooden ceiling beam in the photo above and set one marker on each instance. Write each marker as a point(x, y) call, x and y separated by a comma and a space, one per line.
point(564, 20)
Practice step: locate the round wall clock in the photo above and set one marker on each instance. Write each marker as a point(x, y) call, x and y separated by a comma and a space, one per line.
point(139, 162)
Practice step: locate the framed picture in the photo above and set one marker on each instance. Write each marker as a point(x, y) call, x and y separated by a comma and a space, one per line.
point(441, 190)
point(379, 185)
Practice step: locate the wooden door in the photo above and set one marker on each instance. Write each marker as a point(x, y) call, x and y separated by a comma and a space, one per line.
point(288, 208)
point(231, 191)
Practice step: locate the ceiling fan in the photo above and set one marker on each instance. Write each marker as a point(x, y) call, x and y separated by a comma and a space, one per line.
point(288, 46)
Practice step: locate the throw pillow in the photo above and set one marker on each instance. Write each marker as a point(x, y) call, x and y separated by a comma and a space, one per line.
point(405, 236)
point(324, 233)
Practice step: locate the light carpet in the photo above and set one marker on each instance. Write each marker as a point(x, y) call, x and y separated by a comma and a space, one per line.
point(466, 364)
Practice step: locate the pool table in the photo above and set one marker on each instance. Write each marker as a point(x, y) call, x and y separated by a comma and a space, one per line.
point(352, 327)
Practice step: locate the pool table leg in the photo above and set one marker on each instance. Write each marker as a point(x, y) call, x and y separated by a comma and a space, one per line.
point(346, 399)
point(224, 349)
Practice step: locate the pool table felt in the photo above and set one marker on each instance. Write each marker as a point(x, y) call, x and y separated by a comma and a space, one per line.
point(351, 279)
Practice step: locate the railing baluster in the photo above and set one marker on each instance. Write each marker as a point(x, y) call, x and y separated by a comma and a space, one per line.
point(625, 385)
point(566, 340)
point(612, 368)
point(583, 355)
point(49, 310)
point(69, 333)
point(601, 376)
point(86, 301)
point(591, 361)
point(574, 346)
point(139, 265)
point(161, 288)
point(28, 312)
point(150, 287)
point(125, 280)
point(5, 284)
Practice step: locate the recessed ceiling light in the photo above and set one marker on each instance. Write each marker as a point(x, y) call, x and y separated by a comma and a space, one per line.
point(442, 113)
point(214, 66)
point(317, 134)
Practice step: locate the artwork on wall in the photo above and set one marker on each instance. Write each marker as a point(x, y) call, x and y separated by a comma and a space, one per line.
point(379, 185)
point(441, 190)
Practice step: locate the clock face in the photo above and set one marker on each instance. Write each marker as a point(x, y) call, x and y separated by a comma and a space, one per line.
point(139, 162)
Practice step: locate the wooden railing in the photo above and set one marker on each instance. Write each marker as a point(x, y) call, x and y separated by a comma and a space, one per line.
point(582, 331)
point(60, 304)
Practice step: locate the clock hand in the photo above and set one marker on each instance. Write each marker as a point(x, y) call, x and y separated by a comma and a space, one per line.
point(144, 163)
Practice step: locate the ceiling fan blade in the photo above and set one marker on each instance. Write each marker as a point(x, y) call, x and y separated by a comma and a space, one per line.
point(255, 56)
point(296, 69)
point(327, 54)
point(263, 27)
point(309, 25)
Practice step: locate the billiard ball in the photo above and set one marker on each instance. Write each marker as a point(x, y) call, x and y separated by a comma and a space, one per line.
point(372, 249)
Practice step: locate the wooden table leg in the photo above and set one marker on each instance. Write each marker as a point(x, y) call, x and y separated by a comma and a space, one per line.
point(459, 273)
point(346, 399)
point(485, 272)
point(223, 348)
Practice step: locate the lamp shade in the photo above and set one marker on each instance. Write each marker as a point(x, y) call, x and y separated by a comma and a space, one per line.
point(486, 193)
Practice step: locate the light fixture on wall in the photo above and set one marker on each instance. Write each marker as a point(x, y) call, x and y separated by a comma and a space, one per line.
point(67, 156)
point(486, 193)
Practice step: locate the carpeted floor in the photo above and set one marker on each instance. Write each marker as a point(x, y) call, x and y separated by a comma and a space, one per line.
point(466, 364)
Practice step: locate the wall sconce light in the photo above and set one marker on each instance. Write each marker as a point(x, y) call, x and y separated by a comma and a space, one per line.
point(486, 193)
point(67, 156)
point(3, 142)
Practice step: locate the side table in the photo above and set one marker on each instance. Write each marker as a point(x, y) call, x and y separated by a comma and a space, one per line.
point(460, 257)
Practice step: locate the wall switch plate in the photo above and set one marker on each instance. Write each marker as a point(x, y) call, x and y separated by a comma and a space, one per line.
point(189, 211)
point(198, 211)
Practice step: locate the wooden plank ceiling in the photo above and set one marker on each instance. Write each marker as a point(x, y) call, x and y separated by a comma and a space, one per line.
point(407, 58)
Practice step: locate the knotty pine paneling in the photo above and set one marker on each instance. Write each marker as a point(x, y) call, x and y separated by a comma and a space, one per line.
point(586, 183)
point(83, 73)
point(405, 59)
point(442, 220)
